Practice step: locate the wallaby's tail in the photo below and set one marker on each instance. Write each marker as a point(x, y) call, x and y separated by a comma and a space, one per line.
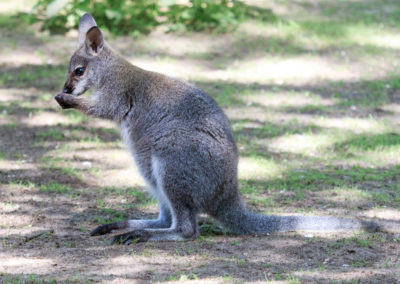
point(240, 221)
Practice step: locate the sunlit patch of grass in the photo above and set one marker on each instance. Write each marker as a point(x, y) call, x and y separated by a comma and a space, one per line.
point(46, 97)
point(141, 199)
point(371, 142)
point(353, 124)
point(8, 206)
point(259, 168)
point(271, 129)
point(75, 116)
point(225, 93)
point(388, 156)
point(306, 144)
point(353, 180)
point(347, 195)
point(379, 149)
point(283, 99)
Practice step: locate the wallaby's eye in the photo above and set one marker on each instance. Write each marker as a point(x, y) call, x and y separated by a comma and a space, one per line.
point(79, 71)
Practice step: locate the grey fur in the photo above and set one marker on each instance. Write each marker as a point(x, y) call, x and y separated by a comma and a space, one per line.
point(184, 148)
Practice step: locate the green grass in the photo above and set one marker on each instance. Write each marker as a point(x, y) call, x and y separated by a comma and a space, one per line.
point(60, 165)
point(55, 187)
point(16, 107)
point(315, 179)
point(25, 279)
point(51, 134)
point(75, 116)
point(46, 97)
point(140, 198)
point(2, 156)
point(366, 142)
point(108, 215)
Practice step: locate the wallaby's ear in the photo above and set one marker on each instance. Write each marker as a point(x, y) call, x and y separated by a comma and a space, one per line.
point(86, 23)
point(94, 41)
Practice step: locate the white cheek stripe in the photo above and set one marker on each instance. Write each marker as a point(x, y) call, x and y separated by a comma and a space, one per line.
point(80, 87)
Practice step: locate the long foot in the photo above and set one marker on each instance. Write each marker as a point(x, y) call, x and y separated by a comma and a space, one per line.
point(130, 237)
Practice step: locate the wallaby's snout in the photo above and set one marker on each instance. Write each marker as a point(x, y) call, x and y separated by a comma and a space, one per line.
point(68, 87)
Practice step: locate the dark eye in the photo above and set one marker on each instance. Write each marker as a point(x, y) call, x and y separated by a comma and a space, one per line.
point(79, 71)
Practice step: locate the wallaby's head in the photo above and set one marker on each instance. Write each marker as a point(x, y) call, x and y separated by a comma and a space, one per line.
point(88, 60)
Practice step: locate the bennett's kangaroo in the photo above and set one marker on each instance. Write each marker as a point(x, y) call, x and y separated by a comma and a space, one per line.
point(182, 143)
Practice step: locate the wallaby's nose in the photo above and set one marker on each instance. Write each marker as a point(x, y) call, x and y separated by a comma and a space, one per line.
point(67, 90)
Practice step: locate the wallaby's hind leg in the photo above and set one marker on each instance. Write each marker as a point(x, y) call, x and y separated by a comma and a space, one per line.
point(164, 220)
point(173, 191)
point(184, 227)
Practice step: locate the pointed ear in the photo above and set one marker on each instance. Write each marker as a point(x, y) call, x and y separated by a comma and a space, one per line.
point(86, 23)
point(94, 42)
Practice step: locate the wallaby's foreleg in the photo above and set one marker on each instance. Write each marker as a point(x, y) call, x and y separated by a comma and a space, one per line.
point(70, 101)
point(164, 220)
point(115, 109)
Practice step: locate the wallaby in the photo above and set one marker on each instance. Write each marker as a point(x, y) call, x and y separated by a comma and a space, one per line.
point(182, 144)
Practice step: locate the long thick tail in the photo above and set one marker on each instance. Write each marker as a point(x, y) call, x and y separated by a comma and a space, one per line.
point(241, 221)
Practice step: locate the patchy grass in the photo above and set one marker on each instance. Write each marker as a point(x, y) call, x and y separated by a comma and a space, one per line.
point(23, 278)
point(49, 134)
point(141, 199)
point(45, 77)
point(76, 117)
point(108, 215)
point(56, 187)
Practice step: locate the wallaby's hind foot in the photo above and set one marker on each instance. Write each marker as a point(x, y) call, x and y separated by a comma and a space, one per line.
point(108, 228)
point(129, 237)
point(153, 235)
point(163, 221)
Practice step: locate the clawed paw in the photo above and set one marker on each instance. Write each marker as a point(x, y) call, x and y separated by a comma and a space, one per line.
point(64, 100)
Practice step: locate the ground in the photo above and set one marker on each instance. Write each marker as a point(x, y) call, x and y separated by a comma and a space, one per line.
point(314, 103)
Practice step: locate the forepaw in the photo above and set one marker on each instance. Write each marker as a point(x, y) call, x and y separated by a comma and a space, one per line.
point(65, 100)
point(130, 237)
